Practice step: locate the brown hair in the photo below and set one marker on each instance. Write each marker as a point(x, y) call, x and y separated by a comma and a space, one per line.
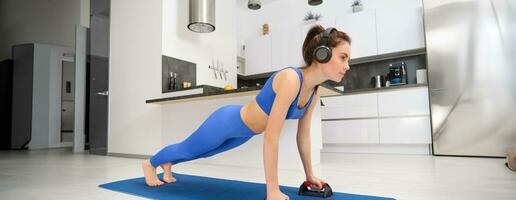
point(313, 38)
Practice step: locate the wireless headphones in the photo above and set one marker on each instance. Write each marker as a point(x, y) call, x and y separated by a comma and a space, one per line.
point(322, 53)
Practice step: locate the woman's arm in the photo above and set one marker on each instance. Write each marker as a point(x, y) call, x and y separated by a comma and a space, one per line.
point(285, 94)
point(303, 137)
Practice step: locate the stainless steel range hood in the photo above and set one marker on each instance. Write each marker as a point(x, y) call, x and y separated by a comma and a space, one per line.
point(202, 16)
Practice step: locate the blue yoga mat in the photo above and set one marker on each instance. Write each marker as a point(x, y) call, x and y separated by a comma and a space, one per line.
point(189, 187)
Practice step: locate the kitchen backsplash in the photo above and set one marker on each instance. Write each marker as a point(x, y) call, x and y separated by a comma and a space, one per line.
point(359, 76)
point(251, 83)
point(186, 71)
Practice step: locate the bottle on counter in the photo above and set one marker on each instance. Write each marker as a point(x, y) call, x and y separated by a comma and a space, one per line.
point(173, 80)
point(404, 72)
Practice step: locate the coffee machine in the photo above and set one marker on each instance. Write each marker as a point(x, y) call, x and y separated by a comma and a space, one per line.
point(397, 74)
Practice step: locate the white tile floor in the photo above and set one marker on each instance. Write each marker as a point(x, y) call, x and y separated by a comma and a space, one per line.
point(61, 174)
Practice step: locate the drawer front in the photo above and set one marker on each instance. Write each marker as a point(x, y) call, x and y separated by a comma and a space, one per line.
point(350, 106)
point(364, 131)
point(404, 102)
point(405, 130)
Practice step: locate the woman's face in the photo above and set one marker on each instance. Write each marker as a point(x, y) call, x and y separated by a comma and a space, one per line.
point(338, 65)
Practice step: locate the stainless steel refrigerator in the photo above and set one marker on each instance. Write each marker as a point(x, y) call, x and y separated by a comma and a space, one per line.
point(471, 57)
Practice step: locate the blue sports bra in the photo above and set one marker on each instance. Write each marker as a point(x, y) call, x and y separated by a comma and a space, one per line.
point(265, 98)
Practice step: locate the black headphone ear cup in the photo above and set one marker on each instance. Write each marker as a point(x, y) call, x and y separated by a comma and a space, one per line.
point(322, 54)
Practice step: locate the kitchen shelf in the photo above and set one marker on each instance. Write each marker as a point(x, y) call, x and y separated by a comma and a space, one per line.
point(399, 54)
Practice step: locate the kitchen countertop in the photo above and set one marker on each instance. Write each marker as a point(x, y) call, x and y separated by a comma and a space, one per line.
point(210, 92)
point(370, 90)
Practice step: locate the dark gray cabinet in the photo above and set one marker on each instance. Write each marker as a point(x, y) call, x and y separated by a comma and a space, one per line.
point(23, 67)
point(6, 97)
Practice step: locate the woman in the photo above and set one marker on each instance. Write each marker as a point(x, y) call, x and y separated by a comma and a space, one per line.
point(290, 93)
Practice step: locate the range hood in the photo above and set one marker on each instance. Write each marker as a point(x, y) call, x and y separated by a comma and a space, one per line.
point(202, 16)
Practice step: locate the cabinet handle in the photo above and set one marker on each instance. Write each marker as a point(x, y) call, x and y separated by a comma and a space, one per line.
point(105, 93)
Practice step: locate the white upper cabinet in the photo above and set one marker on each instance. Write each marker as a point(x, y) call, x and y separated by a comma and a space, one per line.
point(361, 27)
point(373, 32)
point(399, 31)
point(325, 23)
point(258, 55)
point(286, 48)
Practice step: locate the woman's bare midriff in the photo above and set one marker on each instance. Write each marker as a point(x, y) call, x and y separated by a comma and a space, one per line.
point(254, 117)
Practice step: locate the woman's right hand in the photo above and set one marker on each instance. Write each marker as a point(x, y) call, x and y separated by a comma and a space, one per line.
point(276, 195)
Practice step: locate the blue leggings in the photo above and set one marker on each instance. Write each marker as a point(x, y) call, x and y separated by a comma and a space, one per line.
point(221, 131)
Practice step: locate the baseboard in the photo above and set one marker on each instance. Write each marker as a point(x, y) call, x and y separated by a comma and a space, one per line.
point(125, 155)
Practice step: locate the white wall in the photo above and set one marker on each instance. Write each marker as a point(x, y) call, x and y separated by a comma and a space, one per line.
point(274, 13)
point(84, 13)
point(49, 22)
point(140, 32)
point(134, 127)
point(46, 110)
point(201, 48)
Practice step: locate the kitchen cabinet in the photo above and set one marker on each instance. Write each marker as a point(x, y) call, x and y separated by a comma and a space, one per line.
point(393, 121)
point(407, 102)
point(325, 23)
point(361, 27)
point(286, 48)
point(399, 30)
point(405, 130)
point(350, 106)
point(258, 55)
point(404, 116)
point(362, 131)
point(287, 44)
point(373, 32)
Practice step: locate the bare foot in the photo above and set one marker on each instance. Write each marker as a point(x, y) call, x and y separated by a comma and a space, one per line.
point(150, 174)
point(167, 173)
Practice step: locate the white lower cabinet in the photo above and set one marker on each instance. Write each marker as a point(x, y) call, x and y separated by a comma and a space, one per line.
point(351, 131)
point(394, 121)
point(410, 101)
point(405, 130)
point(352, 106)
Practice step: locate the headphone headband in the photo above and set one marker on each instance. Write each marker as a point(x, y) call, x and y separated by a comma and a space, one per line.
point(326, 37)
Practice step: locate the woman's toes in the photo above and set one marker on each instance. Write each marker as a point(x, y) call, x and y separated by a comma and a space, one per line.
point(155, 183)
point(169, 179)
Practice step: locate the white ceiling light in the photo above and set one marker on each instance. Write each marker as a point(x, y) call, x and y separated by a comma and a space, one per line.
point(254, 4)
point(314, 2)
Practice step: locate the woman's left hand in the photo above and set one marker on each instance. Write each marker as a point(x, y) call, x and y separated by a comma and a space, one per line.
point(317, 183)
